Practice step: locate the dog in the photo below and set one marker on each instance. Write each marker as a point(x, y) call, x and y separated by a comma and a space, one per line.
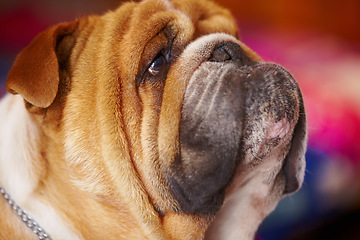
point(152, 121)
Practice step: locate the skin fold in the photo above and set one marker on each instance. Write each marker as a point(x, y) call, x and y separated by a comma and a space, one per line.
point(152, 121)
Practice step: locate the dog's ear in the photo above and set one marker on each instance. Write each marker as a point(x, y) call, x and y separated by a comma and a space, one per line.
point(35, 73)
point(294, 164)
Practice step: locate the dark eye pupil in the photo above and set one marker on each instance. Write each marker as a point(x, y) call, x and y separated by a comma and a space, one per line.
point(157, 65)
point(159, 62)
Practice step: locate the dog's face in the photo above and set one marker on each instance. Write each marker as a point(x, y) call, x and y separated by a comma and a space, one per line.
point(158, 106)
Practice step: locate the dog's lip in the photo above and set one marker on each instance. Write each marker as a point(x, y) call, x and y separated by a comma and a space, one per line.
point(272, 99)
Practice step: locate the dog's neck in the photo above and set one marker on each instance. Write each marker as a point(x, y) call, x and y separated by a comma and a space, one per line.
point(19, 173)
point(24, 216)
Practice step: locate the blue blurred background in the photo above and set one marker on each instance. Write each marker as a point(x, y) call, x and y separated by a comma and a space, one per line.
point(318, 41)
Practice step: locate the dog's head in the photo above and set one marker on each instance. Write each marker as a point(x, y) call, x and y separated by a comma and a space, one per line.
point(159, 106)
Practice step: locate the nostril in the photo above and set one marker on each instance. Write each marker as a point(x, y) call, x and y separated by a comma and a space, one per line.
point(228, 51)
point(220, 55)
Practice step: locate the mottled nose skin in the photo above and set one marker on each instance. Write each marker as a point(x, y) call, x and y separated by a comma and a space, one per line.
point(272, 101)
point(233, 108)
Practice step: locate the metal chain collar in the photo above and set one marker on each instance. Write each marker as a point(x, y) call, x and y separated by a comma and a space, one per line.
point(31, 223)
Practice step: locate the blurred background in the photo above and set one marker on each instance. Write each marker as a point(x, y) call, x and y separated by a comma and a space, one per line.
point(318, 41)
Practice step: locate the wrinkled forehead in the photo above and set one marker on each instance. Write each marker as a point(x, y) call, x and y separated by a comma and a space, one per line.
point(195, 17)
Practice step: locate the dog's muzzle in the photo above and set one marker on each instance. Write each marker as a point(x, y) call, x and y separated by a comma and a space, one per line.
point(234, 111)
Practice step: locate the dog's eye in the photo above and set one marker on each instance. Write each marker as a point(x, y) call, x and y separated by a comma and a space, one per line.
point(157, 65)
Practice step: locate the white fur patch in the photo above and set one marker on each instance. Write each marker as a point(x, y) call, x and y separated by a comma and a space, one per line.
point(18, 139)
point(251, 199)
point(17, 136)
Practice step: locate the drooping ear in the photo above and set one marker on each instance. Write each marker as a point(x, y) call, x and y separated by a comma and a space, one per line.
point(35, 73)
point(294, 164)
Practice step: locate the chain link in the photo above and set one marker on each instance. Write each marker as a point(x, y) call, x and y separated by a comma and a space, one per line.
point(31, 223)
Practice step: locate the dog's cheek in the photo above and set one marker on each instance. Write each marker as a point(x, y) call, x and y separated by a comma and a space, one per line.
point(198, 179)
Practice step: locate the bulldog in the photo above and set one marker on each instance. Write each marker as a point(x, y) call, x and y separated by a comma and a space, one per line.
point(153, 121)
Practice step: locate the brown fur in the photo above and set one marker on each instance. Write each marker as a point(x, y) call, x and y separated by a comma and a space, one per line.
point(106, 138)
point(120, 200)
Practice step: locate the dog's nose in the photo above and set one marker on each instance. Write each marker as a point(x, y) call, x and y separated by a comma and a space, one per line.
point(228, 51)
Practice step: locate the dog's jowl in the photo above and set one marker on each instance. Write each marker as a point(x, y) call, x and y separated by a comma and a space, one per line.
point(152, 121)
